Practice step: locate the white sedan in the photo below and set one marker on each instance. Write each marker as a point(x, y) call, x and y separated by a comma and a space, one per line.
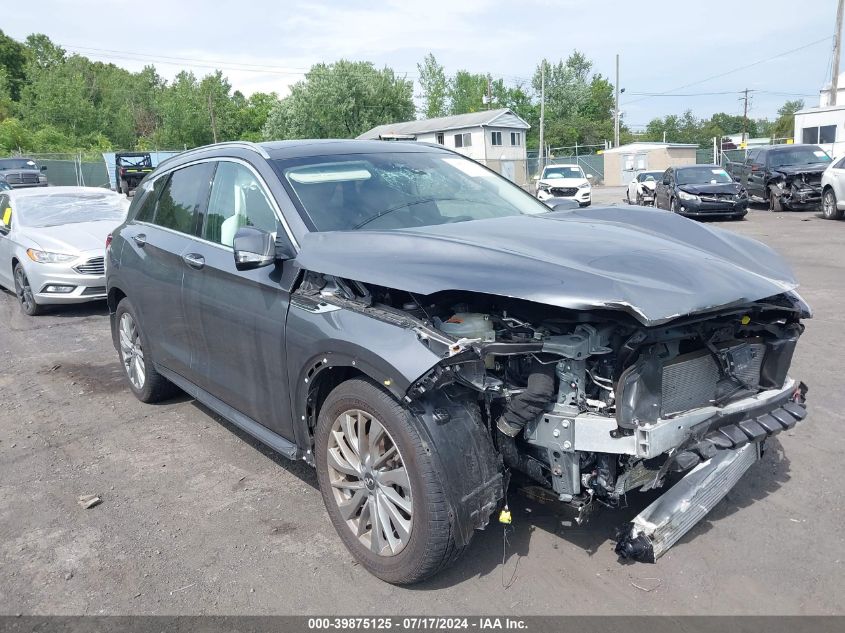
point(833, 190)
point(565, 181)
point(641, 188)
point(53, 243)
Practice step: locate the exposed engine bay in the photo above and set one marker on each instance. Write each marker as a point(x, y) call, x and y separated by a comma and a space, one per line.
point(591, 405)
point(797, 189)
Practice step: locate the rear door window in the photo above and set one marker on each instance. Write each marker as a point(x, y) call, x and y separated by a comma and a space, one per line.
point(184, 197)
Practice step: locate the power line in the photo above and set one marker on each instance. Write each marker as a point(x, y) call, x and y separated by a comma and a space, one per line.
point(734, 70)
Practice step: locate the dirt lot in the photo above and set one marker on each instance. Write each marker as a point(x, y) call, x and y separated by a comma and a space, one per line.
point(197, 518)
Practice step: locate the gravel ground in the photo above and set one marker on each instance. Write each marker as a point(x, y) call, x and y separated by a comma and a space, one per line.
point(197, 518)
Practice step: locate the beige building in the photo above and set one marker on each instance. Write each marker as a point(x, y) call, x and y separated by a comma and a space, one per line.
point(623, 163)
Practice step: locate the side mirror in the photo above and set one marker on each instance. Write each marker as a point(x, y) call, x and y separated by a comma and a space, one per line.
point(253, 248)
point(43, 167)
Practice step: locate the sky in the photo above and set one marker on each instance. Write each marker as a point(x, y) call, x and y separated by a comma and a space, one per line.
point(701, 53)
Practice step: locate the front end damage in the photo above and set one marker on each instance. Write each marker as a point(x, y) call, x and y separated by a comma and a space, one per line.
point(797, 190)
point(590, 405)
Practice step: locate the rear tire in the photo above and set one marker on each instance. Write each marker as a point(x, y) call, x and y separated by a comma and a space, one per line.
point(774, 202)
point(134, 352)
point(356, 487)
point(829, 209)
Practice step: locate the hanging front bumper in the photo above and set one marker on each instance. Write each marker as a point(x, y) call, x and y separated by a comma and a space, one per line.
point(665, 521)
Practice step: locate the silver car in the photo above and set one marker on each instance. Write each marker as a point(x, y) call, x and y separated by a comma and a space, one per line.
point(52, 243)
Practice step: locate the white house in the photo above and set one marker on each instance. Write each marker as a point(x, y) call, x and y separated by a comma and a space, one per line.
point(493, 137)
point(824, 125)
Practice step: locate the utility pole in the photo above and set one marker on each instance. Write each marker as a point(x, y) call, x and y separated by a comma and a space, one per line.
point(213, 122)
point(489, 91)
point(745, 117)
point(837, 47)
point(616, 108)
point(542, 114)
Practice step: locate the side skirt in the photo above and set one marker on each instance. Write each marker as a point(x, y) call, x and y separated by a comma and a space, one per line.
point(243, 422)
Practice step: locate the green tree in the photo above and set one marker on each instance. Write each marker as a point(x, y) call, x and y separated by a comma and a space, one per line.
point(13, 62)
point(42, 52)
point(341, 100)
point(466, 92)
point(579, 105)
point(784, 125)
point(6, 103)
point(435, 88)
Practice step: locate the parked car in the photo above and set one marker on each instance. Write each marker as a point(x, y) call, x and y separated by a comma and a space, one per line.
point(4, 184)
point(23, 172)
point(129, 169)
point(701, 191)
point(786, 176)
point(833, 190)
point(641, 188)
point(565, 181)
point(412, 324)
point(52, 243)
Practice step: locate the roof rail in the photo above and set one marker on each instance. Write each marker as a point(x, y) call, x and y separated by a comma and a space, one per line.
point(254, 147)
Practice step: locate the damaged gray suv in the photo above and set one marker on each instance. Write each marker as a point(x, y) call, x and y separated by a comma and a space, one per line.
point(422, 331)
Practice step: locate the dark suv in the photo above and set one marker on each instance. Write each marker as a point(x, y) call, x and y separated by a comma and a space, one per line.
point(419, 329)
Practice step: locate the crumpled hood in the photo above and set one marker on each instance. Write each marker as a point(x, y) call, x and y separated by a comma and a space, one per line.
point(648, 184)
point(793, 170)
point(651, 264)
point(725, 187)
point(79, 237)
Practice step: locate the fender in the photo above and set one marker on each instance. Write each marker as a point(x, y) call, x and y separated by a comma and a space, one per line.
point(391, 355)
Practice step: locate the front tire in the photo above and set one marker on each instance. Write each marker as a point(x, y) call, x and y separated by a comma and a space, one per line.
point(829, 209)
point(774, 202)
point(23, 291)
point(673, 205)
point(380, 485)
point(134, 351)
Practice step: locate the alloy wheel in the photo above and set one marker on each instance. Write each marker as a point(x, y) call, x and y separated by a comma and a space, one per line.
point(131, 352)
point(829, 204)
point(23, 290)
point(370, 483)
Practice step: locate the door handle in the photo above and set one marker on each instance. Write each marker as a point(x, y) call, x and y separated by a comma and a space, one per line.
point(194, 260)
point(140, 239)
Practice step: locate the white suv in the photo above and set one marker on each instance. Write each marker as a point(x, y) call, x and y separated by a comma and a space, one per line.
point(833, 190)
point(565, 181)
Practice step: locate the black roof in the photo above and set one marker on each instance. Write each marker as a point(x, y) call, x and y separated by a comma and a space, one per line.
point(785, 147)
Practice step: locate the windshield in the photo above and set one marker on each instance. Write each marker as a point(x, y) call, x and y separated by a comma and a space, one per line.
point(135, 161)
point(54, 209)
point(565, 171)
point(705, 175)
point(17, 163)
point(400, 190)
point(798, 156)
point(649, 175)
